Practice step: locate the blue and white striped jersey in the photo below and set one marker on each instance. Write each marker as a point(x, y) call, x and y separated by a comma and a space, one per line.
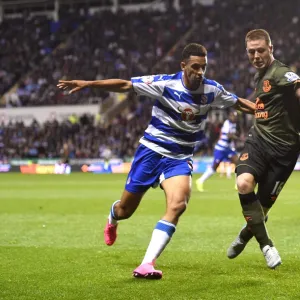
point(178, 114)
point(224, 143)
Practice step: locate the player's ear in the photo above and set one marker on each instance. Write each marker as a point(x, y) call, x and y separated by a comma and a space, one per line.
point(271, 49)
point(182, 65)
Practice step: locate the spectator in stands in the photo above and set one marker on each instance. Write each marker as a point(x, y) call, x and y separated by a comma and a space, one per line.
point(124, 33)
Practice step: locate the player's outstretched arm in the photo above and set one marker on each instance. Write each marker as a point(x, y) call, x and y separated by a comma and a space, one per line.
point(245, 106)
point(110, 85)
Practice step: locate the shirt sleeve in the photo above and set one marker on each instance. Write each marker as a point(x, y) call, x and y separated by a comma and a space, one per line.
point(223, 98)
point(284, 76)
point(151, 85)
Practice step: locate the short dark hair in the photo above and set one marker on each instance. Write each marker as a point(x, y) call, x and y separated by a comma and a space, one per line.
point(258, 34)
point(193, 49)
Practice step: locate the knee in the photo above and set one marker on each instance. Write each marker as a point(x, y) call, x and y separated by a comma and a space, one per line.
point(178, 208)
point(245, 183)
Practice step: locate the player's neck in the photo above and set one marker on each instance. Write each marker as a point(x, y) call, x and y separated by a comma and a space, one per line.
point(187, 84)
point(263, 71)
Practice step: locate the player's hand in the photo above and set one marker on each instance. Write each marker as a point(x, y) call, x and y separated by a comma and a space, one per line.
point(73, 85)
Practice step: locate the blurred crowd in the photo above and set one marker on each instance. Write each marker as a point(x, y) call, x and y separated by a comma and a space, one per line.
point(125, 44)
point(24, 43)
point(107, 45)
point(84, 136)
point(122, 45)
point(87, 137)
point(222, 29)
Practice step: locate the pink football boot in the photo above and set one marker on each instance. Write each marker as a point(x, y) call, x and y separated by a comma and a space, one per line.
point(147, 271)
point(110, 233)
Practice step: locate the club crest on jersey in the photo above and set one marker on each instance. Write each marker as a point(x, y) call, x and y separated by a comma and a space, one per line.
point(291, 76)
point(148, 79)
point(203, 99)
point(266, 86)
point(188, 114)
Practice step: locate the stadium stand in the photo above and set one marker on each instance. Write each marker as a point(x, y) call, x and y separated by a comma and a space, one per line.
point(107, 45)
point(224, 39)
point(25, 42)
point(86, 137)
point(114, 45)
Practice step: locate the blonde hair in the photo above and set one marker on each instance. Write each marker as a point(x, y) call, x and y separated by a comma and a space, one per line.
point(258, 34)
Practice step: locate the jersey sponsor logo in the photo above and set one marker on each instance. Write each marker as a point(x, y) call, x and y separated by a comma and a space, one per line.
point(291, 76)
point(147, 79)
point(244, 156)
point(188, 114)
point(259, 105)
point(261, 115)
point(266, 86)
point(259, 110)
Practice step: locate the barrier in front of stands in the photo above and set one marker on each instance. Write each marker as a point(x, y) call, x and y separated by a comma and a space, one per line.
point(45, 113)
point(96, 166)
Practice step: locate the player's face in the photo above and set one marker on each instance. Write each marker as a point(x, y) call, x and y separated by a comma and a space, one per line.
point(260, 54)
point(194, 69)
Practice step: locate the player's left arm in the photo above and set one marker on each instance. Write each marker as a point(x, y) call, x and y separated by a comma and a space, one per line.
point(285, 77)
point(225, 99)
point(110, 85)
point(245, 106)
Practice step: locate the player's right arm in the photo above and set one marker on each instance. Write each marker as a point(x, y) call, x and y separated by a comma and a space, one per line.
point(151, 85)
point(110, 85)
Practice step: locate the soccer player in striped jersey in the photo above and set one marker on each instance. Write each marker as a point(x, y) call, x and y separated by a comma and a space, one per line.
point(164, 156)
point(224, 149)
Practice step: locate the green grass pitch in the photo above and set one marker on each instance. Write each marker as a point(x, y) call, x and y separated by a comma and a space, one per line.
point(51, 243)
